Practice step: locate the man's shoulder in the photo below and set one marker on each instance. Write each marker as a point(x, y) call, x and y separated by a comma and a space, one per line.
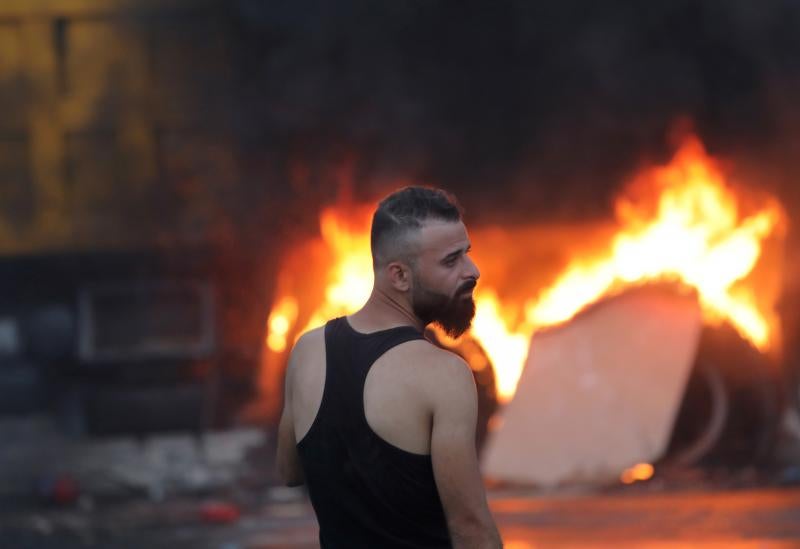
point(310, 338)
point(436, 365)
point(442, 358)
point(308, 344)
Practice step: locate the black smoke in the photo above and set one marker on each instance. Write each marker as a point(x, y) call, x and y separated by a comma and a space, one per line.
point(546, 106)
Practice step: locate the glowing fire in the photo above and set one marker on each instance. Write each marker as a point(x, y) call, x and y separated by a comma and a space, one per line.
point(640, 471)
point(350, 278)
point(696, 237)
point(280, 322)
point(680, 222)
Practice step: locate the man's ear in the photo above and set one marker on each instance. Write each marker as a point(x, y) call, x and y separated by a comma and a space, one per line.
point(399, 276)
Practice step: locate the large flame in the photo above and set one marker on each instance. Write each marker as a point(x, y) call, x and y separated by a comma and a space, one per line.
point(680, 222)
point(350, 276)
point(696, 236)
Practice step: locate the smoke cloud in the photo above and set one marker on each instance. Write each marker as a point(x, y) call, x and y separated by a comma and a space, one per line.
point(546, 105)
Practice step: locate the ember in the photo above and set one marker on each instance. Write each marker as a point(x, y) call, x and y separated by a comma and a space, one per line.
point(640, 471)
point(281, 320)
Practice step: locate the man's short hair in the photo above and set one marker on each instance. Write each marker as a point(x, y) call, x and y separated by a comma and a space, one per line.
point(401, 214)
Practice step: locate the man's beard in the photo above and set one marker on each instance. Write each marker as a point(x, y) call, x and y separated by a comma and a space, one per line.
point(454, 315)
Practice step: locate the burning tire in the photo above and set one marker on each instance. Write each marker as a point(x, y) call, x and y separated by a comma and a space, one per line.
point(702, 416)
point(734, 391)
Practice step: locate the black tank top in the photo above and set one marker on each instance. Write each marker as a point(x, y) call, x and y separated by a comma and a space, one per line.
point(366, 492)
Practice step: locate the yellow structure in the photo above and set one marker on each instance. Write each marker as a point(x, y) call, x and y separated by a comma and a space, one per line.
point(113, 122)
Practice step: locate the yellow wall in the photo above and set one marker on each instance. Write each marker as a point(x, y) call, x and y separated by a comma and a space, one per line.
point(104, 104)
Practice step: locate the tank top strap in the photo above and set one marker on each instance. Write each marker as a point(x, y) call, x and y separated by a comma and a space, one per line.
point(366, 348)
point(351, 354)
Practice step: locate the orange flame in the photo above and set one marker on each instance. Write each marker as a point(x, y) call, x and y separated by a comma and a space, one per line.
point(640, 471)
point(696, 237)
point(280, 322)
point(680, 222)
point(350, 278)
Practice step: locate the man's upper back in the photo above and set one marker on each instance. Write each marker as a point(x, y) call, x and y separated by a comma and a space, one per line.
point(398, 396)
point(363, 420)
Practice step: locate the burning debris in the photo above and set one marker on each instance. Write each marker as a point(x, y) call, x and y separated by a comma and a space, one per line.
point(599, 393)
point(682, 224)
point(732, 406)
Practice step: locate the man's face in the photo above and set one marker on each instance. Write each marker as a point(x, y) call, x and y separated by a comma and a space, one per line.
point(444, 277)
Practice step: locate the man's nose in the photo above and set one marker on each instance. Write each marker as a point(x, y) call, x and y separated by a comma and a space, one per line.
point(472, 269)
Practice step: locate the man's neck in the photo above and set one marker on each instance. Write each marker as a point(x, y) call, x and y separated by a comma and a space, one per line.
point(382, 311)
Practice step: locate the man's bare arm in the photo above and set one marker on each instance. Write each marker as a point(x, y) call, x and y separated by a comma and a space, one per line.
point(455, 461)
point(289, 469)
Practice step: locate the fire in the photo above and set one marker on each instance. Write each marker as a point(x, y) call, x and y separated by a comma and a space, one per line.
point(681, 222)
point(501, 344)
point(350, 277)
point(696, 237)
point(280, 321)
point(640, 471)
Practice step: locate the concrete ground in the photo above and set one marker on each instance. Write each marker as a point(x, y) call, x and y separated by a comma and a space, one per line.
point(749, 518)
point(218, 491)
point(745, 518)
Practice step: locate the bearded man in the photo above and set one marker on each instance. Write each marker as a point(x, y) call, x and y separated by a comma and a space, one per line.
point(378, 422)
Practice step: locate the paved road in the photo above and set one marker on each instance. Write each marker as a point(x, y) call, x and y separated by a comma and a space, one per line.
point(743, 519)
point(752, 518)
point(762, 518)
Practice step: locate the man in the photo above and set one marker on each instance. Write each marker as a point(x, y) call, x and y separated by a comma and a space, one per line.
point(378, 422)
